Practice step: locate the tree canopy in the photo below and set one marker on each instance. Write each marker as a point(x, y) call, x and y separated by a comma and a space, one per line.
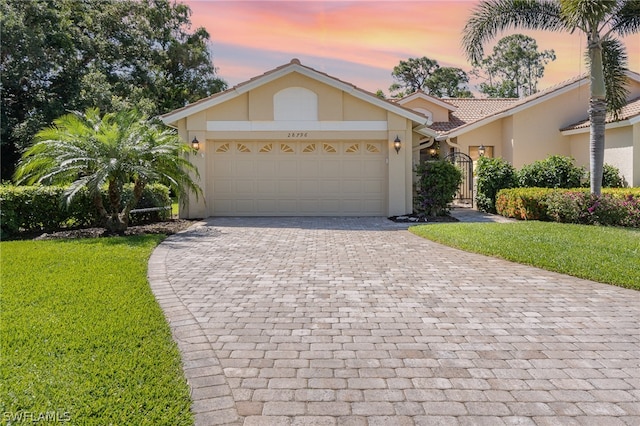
point(514, 68)
point(64, 55)
point(426, 74)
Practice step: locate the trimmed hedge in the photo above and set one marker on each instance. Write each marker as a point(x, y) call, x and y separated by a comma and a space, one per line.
point(616, 206)
point(523, 203)
point(41, 208)
point(556, 171)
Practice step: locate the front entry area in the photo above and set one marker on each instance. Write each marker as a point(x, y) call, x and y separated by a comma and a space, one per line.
point(297, 178)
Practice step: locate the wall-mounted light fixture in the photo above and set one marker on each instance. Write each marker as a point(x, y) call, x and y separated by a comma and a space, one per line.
point(397, 144)
point(195, 144)
point(481, 150)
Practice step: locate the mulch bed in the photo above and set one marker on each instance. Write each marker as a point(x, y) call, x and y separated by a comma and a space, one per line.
point(168, 227)
point(413, 218)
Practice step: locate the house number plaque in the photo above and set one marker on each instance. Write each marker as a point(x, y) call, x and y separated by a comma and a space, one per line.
point(298, 134)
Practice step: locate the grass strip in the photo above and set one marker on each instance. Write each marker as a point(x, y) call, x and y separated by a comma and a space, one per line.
point(83, 338)
point(604, 254)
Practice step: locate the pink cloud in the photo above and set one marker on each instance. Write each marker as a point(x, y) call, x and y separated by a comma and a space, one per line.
point(370, 36)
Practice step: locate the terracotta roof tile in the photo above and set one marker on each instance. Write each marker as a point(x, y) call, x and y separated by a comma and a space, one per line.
point(472, 110)
point(469, 110)
point(630, 110)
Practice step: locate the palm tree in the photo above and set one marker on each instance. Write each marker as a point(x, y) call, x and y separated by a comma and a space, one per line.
point(600, 20)
point(87, 150)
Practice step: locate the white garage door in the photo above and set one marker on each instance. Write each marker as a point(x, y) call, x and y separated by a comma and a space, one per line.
point(308, 178)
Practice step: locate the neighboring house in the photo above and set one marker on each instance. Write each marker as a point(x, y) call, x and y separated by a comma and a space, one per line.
point(296, 141)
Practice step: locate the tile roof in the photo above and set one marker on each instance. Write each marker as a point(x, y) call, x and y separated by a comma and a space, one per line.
point(630, 110)
point(473, 110)
point(469, 110)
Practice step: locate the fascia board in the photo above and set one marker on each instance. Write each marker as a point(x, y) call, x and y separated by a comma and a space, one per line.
point(370, 98)
point(171, 118)
point(614, 125)
point(229, 95)
point(425, 131)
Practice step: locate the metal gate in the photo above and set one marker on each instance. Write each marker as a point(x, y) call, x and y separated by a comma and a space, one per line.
point(464, 195)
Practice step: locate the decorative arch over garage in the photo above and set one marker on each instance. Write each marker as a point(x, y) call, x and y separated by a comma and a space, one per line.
point(295, 104)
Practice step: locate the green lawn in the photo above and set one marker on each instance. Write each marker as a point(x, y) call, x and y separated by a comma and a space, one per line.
point(604, 254)
point(83, 337)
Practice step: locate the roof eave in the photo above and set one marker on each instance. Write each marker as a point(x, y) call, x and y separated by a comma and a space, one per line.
point(614, 125)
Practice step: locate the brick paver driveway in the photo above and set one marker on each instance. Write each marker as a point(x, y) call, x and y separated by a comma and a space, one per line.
point(356, 321)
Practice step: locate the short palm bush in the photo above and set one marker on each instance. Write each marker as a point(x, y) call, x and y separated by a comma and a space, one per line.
point(92, 151)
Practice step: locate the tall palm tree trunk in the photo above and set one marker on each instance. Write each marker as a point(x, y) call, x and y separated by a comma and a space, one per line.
point(597, 114)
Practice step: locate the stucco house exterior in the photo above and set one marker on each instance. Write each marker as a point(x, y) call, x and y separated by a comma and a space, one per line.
point(298, 142)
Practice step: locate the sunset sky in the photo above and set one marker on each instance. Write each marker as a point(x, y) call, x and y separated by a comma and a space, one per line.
point(359, 41)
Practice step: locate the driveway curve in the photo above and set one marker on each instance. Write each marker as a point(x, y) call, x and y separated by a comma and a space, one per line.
point(356, 321)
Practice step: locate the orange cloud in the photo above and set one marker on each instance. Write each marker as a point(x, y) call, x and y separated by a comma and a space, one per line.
point(369, 35)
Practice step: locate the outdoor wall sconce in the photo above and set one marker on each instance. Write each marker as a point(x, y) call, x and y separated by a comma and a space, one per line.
point(195, 144)
point(481, 150)
point(397, 144)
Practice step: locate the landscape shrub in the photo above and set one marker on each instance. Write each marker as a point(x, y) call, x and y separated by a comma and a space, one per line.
point(438, 182)
point(154, 195)
point(588, 209)
point(493, 174)
point(555, 171)
point(40, 208)
point(615, 207)
point(611, 177)
point(523, 203)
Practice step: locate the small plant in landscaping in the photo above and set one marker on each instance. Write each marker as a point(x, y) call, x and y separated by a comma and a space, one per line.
point(555, 171)
point(611, 177)
point(438, 182)
point(493, 174)
point(38, 208)
point(523, 203)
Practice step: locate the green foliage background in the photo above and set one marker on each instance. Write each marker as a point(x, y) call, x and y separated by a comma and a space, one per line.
point(41, 208)
point(62, 55)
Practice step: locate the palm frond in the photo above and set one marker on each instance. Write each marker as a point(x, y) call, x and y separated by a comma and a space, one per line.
point(491, 17)
point(586, 14)
point(614, 61)
point(627, 19)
